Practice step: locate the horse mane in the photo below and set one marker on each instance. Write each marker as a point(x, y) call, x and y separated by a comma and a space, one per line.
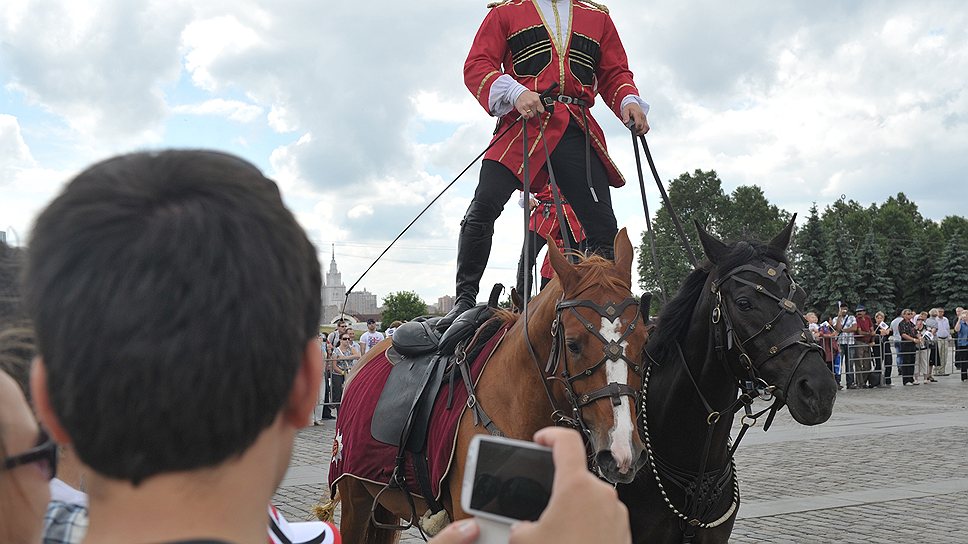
point(675, 317)
point(595, 270)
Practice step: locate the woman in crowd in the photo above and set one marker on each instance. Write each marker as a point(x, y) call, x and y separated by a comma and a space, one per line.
point(345, 354)
point(923, 357)
point(827, 337)
point(882, 346)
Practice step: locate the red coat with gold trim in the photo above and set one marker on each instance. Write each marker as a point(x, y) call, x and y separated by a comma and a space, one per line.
point(514, 39)
point(544, 222)
point(544, 218)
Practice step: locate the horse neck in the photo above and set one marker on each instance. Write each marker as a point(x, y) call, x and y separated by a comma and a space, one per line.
point(677, 416)
point(514, 391)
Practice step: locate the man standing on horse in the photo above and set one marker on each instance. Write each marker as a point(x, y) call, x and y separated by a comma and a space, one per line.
point(523, 48)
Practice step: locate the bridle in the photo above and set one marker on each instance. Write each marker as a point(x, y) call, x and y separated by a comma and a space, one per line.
point(742, 366)
point(557, 368)
point(703, 489)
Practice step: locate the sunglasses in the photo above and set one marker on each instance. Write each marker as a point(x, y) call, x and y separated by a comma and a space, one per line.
point(44, 454)
point(345, 338)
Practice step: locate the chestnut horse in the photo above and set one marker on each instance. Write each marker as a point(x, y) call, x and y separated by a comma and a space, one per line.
point(592, 305)
point(734, 332)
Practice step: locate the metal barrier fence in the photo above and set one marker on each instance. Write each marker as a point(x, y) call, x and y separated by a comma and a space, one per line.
point(863, 364)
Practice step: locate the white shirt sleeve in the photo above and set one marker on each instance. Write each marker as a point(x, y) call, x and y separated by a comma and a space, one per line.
point(633, 98)
point(504, 92)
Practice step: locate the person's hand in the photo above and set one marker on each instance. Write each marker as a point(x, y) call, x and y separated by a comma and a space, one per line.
point(633, 112)
point(529, 104)
point(582, 508)
point(464, 531)
point(533, 203)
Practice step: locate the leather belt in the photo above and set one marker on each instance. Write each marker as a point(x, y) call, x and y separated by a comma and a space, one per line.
point(550, 100)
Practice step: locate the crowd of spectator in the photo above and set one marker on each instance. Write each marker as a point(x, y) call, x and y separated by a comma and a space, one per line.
point(865, 352)
point(183, 410)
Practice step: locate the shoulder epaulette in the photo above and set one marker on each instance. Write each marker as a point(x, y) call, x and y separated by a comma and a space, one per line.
point(600, 7)
point(496, 4)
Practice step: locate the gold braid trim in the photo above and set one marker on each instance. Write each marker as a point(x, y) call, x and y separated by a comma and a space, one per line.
point(326, 511)
point(483, 81)
point(596, 5)
point(496, 4)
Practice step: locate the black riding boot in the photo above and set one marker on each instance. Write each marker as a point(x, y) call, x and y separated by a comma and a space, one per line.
point(527, 262)
point(473, 250)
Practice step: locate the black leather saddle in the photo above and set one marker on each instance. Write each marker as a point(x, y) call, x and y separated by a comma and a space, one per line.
point(421, 358)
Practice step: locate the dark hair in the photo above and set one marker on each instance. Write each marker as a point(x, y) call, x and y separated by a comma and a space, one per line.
point(173, 295)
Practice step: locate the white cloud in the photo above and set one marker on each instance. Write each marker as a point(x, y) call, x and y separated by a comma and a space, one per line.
point(807, 100)
point(233, 110)
point(208, 42)
point(14, 153)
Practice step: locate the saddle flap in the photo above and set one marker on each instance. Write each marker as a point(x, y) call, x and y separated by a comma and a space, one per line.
point(412, 381)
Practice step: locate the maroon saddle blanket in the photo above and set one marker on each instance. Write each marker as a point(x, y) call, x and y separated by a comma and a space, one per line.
point(357, 454)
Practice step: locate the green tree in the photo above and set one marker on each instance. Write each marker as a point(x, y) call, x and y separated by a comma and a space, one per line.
point(810, 257)
point(748, 215)
point(950, 281)
point(954, 225)
point(403, 306)
point(897, 223)
point(840, 283)
point(698, 196)
point(873, 288)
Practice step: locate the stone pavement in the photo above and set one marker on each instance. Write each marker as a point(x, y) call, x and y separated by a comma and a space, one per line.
point(891, 465)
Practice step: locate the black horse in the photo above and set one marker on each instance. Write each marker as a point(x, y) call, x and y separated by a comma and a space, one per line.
point(734, 332)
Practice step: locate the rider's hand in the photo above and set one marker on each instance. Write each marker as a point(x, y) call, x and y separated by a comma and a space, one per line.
point(529, 104)
point(632, 111)
point(582, 508)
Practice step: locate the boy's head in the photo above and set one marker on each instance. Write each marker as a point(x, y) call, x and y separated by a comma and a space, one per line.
point(173, 296)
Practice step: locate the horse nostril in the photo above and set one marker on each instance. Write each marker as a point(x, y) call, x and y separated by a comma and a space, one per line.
point(605, 460)
point(805, 389)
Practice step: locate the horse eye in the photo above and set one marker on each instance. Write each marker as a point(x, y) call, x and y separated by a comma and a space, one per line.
point(573, 346)
point(744, 304)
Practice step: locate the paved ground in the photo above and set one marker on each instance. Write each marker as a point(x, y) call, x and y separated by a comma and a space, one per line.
point(891, 465)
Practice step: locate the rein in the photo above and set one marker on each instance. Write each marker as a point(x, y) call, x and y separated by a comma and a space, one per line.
point(703, 490)
point(611, 350)
point(665, 199)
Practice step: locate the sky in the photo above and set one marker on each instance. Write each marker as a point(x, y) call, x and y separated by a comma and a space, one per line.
point(359, 111)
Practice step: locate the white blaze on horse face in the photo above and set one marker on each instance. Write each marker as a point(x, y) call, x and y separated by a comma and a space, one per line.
point(620, 436)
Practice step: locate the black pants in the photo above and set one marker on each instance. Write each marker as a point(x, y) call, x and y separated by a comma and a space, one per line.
point(497, 184)
point(337, 382)
point(905, 362)
point(961, 360)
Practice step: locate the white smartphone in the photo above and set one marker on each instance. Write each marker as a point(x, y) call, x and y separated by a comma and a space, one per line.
point(505, 481)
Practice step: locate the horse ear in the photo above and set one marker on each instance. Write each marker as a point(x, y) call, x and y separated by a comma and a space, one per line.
point(711, 246)
point(782, 241)
point(565, 271)
point(623, 255)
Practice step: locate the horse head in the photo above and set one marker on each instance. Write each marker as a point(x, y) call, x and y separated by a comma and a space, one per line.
point(757, 309)
point(600, 335)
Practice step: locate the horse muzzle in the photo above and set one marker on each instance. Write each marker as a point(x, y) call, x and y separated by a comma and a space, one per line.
point(619, 468)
